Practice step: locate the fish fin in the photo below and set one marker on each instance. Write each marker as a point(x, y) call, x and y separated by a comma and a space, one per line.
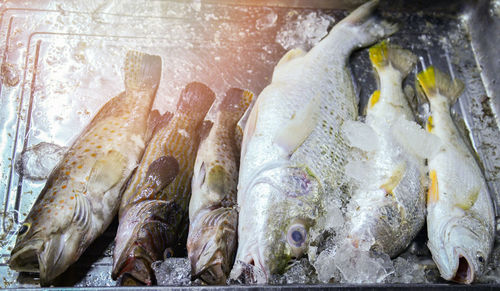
point(360, 135)
point(106, 172)
point(240, 126)
point(216, 179)
point(196, 98)
point(365, 27)
point(415, 139)
point(429, 124)
point(161, 172)
point(290, 55)
point(433, 192)
point(205, 128)
point(394, 179)
point(82, 214)
point(236, 100)
point(384, 54)
point(299, 127)
point(468, 200)
point(153, 120)
point(250, 126)
point(142, 71)
point(373, 99)
point(432, 82)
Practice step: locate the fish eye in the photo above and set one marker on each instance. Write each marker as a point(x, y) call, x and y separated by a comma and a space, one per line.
point(24, 228)
point(296, 235)
point(168, 253)
point(481, 259)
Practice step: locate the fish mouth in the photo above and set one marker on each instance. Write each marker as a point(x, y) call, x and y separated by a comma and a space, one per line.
point(465, 271)
point(212, 274)
point(25, 257)
point(250, 270)
point(135, 271)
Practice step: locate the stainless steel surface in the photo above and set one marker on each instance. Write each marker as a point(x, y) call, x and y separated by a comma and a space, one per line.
point(68, 56)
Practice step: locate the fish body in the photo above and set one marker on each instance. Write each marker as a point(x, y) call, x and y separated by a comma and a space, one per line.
point(387, 208)
point(82, 193)
point(213, 215)
point(293, 152)
point(460, 215)
point(153, 218)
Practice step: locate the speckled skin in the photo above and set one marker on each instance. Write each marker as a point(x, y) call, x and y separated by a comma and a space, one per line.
point(282, 186)
point(154, 221)
point(213, 217)
point(82, 194)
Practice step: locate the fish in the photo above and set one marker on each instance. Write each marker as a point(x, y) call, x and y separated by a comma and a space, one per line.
point(460, 214)
point(153, 218)
point(82, 194)
point(387, 207)
point(293, 152)
point(213, 215)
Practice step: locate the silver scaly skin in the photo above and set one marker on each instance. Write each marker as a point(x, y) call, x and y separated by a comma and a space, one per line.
point(460, 215)
point(387, 208)
point(82, 194)
point(293, 152)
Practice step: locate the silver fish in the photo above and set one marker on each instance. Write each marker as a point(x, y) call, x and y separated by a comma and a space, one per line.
point(82, 193)
point(460, 215)
point(293, 152)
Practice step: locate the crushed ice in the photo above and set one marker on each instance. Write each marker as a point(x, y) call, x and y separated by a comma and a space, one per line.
point(38, 161)
point(173, 271)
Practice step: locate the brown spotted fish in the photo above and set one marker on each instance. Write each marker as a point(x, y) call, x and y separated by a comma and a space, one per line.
point(82, 193)
point(153, 211)
point(213, 216)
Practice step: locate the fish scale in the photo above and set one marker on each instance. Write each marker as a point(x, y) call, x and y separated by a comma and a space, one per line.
point(82, 193)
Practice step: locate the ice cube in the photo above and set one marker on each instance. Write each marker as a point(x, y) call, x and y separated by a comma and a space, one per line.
point(358, 265)
point(266, 21)
point(38, 161)
point(173, 271)
point(325, 267)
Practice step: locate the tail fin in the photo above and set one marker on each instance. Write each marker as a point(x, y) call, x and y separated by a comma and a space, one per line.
point(364, 27)
point(236, 100)
point(142, 71)
point(433, 82)
point(196, 98)
point(384, 54)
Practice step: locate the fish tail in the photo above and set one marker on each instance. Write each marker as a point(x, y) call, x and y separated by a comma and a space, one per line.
point(196, 98)
point(142, 71)
point(434, 82)
point(365, 26)
point(383, 55)
point(237, 99)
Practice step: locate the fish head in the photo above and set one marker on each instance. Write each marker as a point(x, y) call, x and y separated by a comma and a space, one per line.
point(212, 244)
point(464, 249)
point(149, 231)
point(45, 249)
point(279, 229)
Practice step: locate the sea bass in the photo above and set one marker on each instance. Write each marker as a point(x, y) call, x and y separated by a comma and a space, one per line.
point(460, 217)
point(387, 208)
point(82, 193)
point(213, 215)
point(293, 152)
point(153, 212)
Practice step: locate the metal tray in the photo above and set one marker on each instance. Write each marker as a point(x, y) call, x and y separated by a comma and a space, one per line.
point(68, 56)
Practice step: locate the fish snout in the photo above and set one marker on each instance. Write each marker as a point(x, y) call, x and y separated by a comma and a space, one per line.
point(135, 271)
point(24, 256)
point(211, 245)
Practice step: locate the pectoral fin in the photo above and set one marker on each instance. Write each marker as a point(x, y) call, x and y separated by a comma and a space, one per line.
point(217, 178)
point(394, 179)
point(107, 172)
point(161, 172)
point(299, 127)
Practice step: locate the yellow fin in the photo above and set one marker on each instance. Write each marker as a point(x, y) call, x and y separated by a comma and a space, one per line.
point(374, 99)
point(433, 193)
point(299, 127)
point(433, 82)
point(429, 124)
point(106, 172)
point(142, 71)
point(394, 179)
point(384, 54)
